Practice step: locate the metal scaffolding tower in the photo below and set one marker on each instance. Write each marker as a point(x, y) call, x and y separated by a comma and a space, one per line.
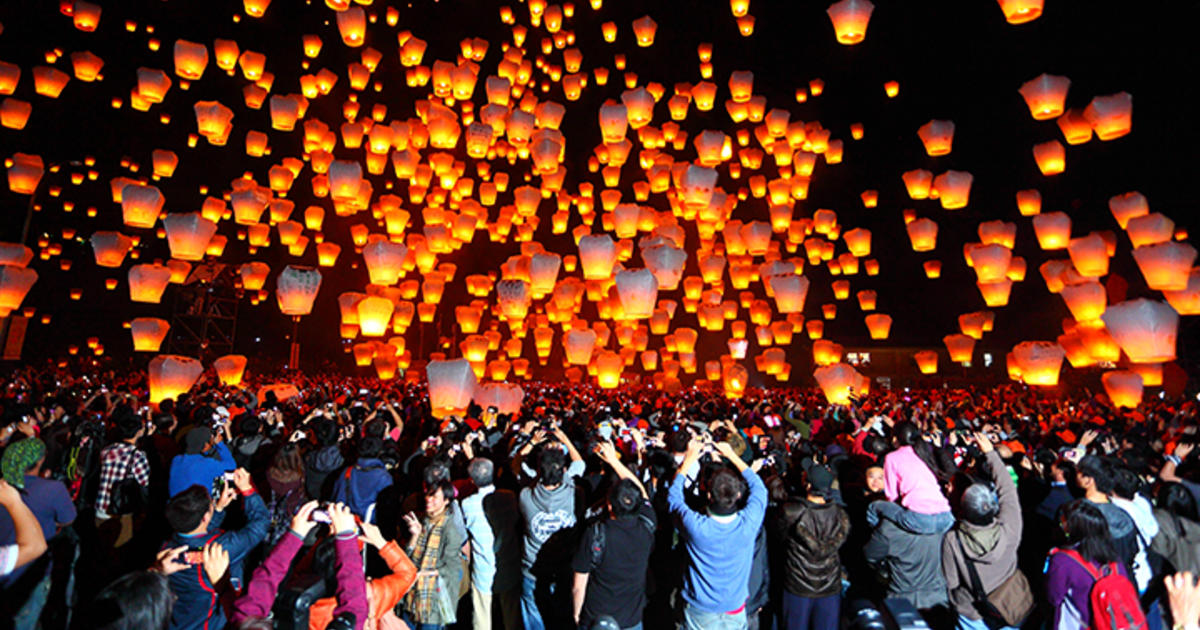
point(204, 317)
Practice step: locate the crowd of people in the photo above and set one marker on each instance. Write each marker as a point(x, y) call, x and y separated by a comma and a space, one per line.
point(349, 505)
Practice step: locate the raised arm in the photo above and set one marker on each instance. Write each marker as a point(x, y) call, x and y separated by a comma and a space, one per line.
point(31, 541)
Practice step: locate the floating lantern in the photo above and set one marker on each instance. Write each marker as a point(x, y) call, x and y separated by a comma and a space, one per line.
point(15, 283)
point(452, 384)
point(850, 18)
point(148, 333)
point(296, 290)
point(1145, 329)
point(927, 361)
point(230, 369)
point(171, 376)
point(1110, 116)
point(188, 235)
point(1046, 94)
point(937, 136)
point(1124, 388)
point(1040, 362)
point(148, 282)
point(960, 347)
point(1166, 266)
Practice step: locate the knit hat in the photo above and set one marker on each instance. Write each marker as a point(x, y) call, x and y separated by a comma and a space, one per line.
point(194, 441)
point(820, 479)
point(20, 457)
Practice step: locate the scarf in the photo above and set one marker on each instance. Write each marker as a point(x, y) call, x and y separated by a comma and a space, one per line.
point(422, 600)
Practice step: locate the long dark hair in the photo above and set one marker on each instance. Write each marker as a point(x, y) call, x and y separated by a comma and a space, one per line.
point(907, 433)
point(288, 463)
point(1176, 499)
point(1087, 529)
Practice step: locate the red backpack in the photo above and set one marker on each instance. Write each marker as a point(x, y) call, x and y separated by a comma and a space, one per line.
point(1113, 598)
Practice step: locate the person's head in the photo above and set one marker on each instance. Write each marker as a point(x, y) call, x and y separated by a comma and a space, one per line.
point(1175, 498)
point(677, 441)
point(875, 445)
point(141, 600)
point(326, 431)
point(251, 426)
point(370, 448)
point(1094, 473)
point(1087, 529)
point(724, 492)
point(437, 498)
point(289, 459)
point(482, 472)
point(190, 510)
point(906, 433)
point(1062, 470)
point(129, 427)
point(436, 472)
point(979, 504)
point(1126, 483)
point(820, 482)
point(624, 498)
point(875, 481)
point(197, 441)
point(375, 428)
point(164, 422)
point(551, 462)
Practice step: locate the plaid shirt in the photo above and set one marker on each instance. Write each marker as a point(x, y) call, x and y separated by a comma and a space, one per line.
point(118, 461)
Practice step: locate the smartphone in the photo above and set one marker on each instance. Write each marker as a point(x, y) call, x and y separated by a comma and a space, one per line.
point(193, 556)
point(321, 515)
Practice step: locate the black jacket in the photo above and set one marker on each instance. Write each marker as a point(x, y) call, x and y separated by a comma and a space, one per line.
point(812, 534)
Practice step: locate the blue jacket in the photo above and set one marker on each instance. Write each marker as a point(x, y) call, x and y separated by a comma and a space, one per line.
point(718, 574)
point(359, 485)
point(197, 606)
point(200, 469)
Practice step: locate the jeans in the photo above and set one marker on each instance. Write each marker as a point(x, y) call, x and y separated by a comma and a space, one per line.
point(27, 618)
point(811, 613)
point(545, 603)
point(412, 625)
point(966, 623)
point(696, 619)
point(909, 520)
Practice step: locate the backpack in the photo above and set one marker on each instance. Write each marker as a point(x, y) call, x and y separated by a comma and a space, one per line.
point(1113, 599)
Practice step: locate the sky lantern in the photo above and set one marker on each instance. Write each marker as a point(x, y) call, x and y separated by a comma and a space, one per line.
point(1040, 361)
point(1051, 157)
point(1128, 206)
point(86, 16)
point(14, 113)
point(148, 333)
point(352, 25)
point(960, 347)
point(374, 315)
point(214, 121)
point(927, 361)
point(86, 65)
point(15, 283)
point(254, 275)
point(734, 379)
point(995, 293)
point(1149, 229)
point(666, 262)
point(296, 288)
point(513, 298)
point(1110, 116)
point(1021, 11)
point(1166, 266)
point(171, 376)
point(637, 290)
point(1186, 301)
point(1124, 388)
point(452, 384)
point(918, 183)
point(191, 59)
point(1075, 127)
point(850, 18)
point(48, 81)
point(644, 29)
point(188, 235)
point(838, 382)
point(1145, 329)
point(1029, 202)
point(858, 241)
point(597, 255)
point(15, 254)
point(1086, 300)
point(790, 292)
point(937, 136)
point(230, 368)
point(152, 84)
point(1045, 94)
point(1053, 230)
point(923, 234)
point(25, 173)
point(579, 345)
point(879, 325)
point(110, 248)
point(148, 282)
point(991, 262)
point(1089, 254)
point(385, 261)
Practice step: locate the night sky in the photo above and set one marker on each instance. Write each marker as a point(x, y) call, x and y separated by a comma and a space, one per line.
point(953, 60)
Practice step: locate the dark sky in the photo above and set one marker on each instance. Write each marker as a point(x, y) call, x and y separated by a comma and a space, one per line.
point(953, 59)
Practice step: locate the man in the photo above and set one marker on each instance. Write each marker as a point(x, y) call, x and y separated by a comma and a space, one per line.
point(549, 509)
point(492, 529)
point(50, 502)
point(720, 543)
point(205, 458)
point(1095, 476)
point(29, 542)
point(614, 555)
point(1058, 494)
point(987, 537)
point(119, 461)
point(361, 484)
point(196, 518)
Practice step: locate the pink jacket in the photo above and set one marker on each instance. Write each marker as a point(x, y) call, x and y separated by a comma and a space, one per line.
point(909, 480)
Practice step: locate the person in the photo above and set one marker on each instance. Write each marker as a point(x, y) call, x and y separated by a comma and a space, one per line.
point(1068, 581)
point(1094, 475)
point(1057, 494)
point(491, 521)
point(361, 484)
point(50, 502)
point(140, 600)
point(985, 542)
point(253, 608)
point(549, 509)
point(195, 517)
point(285, 484)
point(28, 541)
point(614, 554)
point(119, 461)
point(436, 550)
point(719, 543)
point(1183, 595)
point(205, 458)
point(383, 593)
point(1178, 539)
point(812, 528)
point(914, 495)
point(323, 461)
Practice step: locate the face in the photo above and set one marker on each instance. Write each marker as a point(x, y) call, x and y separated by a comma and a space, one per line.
point(435, 504)
point(1083, 481)
point(875, 479)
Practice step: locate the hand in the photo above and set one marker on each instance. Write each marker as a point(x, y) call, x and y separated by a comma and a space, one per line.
point(726, 451)
point(1184, 597)
point(372, 536)
point(694, 448)
point(414, 525)
point(26, 427)
point(8, 494)
point(241, 480)
point(215, 561)
point(1088, 437)
point(226, 498)
point(342, 519)
point(985, 444)
point(606, 451)
point(302, 522)
point(1182, 449)
point(169, 561)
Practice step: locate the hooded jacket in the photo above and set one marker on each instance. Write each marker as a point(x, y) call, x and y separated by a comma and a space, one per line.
point(993, 548)
point(361, 484)
point(550, 517)
point(812, 534)
point(318, 465)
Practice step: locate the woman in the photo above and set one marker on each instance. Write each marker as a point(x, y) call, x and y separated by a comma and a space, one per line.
point(382, 593)
point(436, 550)
point(1178, 539)
point(1068, 581)
point(812, 529)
